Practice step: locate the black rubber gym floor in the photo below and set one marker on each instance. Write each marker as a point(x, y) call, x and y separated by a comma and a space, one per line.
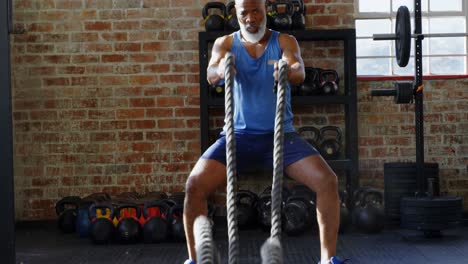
point(43, 243)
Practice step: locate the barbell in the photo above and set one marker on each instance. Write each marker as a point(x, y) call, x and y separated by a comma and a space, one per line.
point(403, 36)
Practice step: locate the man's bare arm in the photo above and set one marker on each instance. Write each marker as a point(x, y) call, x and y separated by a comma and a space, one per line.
point(292, 55)
point(216, 66)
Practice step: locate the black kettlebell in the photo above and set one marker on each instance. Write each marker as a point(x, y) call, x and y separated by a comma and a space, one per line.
point(176, 213)
point(128, 229)
point(345, 215)
point(282, 20)
point(371, 218)
point(101, 229)
point(246, 203)
point(156, 226)
point(356, 202)
point(311, 84)
point(67, 210)
point(330, 145)
point(310, 196)
point(298, 19)
point(217, 90)
point(214, 22)
point(271, 13)
point(264, 207)
point(329, 82)
point(231, 23)
point(310, 134)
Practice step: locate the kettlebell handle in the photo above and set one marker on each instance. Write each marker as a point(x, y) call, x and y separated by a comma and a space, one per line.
point(175, 208)
point(159, 204)
point(128, 206)
point(230, 6)
point(92, 211)
point(214, 5)
point(67, 200)
point(288, 10)
point(312, 129)
point(299, 198)
point(299, 4)
point(325, 73)
point(246, 193)
point(335, 129)
point(371, 192)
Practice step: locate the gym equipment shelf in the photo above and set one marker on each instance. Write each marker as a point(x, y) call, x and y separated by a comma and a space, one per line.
point(348, 98)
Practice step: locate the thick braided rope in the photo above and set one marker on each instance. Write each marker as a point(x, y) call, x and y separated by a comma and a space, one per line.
point(204, 245)
point(271, 251)
point(276, 196)
point(231, 168)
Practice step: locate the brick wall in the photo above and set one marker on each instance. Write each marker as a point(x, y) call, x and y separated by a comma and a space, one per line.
point(106, 98)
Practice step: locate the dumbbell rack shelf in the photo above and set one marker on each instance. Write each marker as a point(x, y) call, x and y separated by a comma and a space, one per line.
point(348, 98)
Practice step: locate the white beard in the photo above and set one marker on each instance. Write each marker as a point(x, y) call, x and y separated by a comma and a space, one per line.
point(253, 37)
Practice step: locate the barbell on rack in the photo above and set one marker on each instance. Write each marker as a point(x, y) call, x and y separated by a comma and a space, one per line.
point(403, 36)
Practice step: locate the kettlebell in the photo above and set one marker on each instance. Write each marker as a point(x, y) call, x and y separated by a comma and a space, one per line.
point(101, 228)
point(156, 227)
point(264, 207)
point(345, 215)
point(231, 23)
point(128, 229)
point(246, 203)
point(329, 82)
point(298, 19)
point(271, 13)
point(214, 22)
point(67, 210)
point(370, 218)
point(310, 134)
point(310, 196)
point(217, 90)
point(356, 210)
point(176, 213)
point(282, 20)
point(82, 219)
point(311, 84)
point(330, 145)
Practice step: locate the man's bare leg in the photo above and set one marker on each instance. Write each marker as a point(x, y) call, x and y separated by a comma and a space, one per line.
point(315, 173)
point(205, 178)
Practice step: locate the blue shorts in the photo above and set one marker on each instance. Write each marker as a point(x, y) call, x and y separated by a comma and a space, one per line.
point(255, 152)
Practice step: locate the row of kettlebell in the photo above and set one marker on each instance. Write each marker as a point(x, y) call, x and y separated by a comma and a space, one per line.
point(298, 210)
point(318, 82)
point(127, 218)
point(327, 140)
point(281, 15)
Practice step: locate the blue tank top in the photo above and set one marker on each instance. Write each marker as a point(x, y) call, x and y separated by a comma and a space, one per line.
point(254, 99)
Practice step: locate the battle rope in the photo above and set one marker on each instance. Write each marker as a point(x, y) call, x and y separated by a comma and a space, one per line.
point(231, 168)
point(271, 251)
point(205, 247)
point(272, 245)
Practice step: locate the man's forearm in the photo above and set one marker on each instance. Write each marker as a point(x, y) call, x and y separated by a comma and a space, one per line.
point(296, 74)
point(212, 74)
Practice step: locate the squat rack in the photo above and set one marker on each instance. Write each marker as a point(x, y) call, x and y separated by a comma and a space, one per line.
point(7, 239)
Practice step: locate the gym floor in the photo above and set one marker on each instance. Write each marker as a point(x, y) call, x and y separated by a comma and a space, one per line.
point(42, 242)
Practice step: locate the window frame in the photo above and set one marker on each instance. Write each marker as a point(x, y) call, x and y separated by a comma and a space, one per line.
point(425, 14)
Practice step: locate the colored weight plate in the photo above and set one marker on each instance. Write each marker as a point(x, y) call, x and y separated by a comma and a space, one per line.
point(403, 36)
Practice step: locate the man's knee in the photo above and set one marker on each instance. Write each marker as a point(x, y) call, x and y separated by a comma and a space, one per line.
point(328, 181)
point(194, 188)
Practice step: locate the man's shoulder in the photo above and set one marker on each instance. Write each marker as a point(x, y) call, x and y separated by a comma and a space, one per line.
point(286, 40)
point(224, 42)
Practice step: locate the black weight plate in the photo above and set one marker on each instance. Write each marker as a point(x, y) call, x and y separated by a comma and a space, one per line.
point(403, 36)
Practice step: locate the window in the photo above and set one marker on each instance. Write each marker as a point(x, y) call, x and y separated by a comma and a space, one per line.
point(441, 56)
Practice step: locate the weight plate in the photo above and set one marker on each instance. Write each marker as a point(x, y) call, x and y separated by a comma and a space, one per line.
point(403, 36)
